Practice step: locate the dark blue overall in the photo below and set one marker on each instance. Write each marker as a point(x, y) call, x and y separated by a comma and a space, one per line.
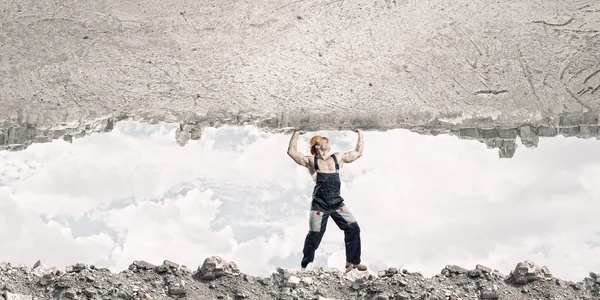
point(327, 201)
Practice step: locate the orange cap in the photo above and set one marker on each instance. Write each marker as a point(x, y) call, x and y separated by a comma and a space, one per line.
point(313, 140)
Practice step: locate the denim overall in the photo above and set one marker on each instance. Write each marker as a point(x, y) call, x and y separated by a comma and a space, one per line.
point(327, 201)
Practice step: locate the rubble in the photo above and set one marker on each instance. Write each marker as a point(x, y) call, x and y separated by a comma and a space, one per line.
point(219, 279)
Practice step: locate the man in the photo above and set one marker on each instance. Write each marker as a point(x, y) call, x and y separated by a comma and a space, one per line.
point(326, 198)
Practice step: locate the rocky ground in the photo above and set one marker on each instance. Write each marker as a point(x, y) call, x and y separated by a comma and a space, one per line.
point(219, 279)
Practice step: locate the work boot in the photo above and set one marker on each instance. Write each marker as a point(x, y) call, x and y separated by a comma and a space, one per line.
point(360, 267)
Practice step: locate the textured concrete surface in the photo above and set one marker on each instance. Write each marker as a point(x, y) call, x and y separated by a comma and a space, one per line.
point(430, 66)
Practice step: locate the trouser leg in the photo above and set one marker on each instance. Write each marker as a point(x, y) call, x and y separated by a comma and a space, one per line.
point(318, 224)
point(346, 222)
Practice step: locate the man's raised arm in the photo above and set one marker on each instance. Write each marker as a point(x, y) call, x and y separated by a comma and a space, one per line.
point(298, 157)
point(351, 156)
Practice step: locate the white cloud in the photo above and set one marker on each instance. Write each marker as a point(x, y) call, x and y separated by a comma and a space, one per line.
point(422, 202)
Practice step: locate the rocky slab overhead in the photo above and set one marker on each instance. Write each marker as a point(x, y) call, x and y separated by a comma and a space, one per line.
point(487, 68)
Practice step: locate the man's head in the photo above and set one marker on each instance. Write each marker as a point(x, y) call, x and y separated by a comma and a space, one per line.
point(319, 142)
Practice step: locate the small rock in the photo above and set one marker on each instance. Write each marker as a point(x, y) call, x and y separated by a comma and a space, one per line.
point(89, 292)
point(307, 280)
point(264, 281)
point(453, 269)
point(11, 296)
point(162, 269)
point(474, 273)
point(402, 296)
point(483, 268)
point(489, 295)
point(70, 294)
point(171, 264)
point(46, 279)
point(125, 295)
point(376, 287)
point(37, 263)
point(176, 290)
point(241, 294)
point(292, 282)
point(143, 265)
point(79, 267)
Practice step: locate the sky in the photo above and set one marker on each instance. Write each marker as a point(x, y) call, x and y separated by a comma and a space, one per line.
point(422, 202)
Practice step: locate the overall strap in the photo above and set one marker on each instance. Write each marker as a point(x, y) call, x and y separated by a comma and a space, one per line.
point(337, 166)
point(316, 165)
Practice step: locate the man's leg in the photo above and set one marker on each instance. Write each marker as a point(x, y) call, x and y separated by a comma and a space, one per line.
point(317, 224)
point(346, 222)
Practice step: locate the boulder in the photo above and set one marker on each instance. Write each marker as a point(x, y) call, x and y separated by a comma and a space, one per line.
point(528, 271)
point(215, 267)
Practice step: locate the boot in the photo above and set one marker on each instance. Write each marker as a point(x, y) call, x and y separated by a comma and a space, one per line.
point(360, 267)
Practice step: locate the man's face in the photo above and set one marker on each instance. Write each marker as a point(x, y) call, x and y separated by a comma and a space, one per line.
point(322, 144)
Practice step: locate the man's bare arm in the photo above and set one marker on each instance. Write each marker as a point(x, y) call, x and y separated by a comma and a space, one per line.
point(298, 157)
point(351, 156)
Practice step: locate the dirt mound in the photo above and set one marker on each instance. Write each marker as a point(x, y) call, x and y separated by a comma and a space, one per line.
point(219, 279)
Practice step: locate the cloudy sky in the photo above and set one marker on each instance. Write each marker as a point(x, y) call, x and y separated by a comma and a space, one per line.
point(422, 202)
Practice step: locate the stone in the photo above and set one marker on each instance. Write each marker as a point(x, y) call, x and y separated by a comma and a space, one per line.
point(89, 292)
point(483, 269)
point(489, 295)
point(376, 287)
point(171, 264)
point(389, 272)
point(453, 269)
point(70, 294)
point(528, 271)
point(177, 290)
point(474, 273)
point(143, 265)
point(11, 296)
point(162, 269)
point(292, 282)
point(46, 279)
point(403, 296)
point(215, 267)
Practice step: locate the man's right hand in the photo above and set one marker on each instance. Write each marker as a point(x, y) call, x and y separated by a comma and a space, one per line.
point(300, 132)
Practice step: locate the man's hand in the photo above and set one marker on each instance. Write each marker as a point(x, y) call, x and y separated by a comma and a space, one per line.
point(356, 130)
point(300, 132)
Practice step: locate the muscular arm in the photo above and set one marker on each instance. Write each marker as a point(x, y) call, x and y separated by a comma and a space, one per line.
point(298, 157)
point(351, 156)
